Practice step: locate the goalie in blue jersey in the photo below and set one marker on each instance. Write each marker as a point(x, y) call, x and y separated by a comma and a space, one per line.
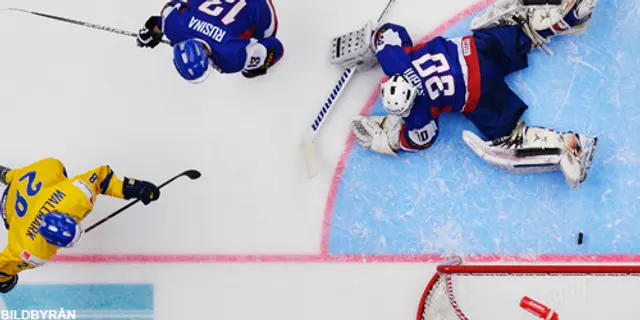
point(229, 36)
point(466, 75)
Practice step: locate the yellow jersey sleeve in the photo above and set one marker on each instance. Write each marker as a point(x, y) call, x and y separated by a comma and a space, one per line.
point(102, 180)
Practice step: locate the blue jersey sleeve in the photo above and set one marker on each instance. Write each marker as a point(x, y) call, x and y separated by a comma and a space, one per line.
point(419, 132)
point(392, 44)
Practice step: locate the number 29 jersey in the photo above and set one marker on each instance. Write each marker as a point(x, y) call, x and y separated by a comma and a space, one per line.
point(36, 190)
point(445, 72)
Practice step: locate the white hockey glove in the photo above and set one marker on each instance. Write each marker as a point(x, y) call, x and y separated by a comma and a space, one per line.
point(378, 133)
point(354, 49)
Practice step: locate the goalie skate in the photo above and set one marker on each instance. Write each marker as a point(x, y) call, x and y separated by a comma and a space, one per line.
point(588, 148)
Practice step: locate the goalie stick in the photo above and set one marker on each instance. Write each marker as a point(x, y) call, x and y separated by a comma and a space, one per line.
point(308, 142)
point(78, 22)
point(191, 174)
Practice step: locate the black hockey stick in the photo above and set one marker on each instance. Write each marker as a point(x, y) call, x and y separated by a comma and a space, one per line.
point(78, 22)
point(191, 174)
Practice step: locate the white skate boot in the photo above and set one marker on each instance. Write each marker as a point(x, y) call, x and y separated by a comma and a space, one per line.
point(575, 162)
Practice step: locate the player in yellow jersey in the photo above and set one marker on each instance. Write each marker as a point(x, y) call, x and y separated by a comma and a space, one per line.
point(42, 210)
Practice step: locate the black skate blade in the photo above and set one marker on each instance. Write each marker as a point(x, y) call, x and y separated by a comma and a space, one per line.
point(541, 2)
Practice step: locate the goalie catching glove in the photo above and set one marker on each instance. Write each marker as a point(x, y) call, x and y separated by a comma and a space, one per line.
point(378, 133)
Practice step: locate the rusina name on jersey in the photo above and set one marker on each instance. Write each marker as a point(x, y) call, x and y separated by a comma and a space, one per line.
point(207, 29)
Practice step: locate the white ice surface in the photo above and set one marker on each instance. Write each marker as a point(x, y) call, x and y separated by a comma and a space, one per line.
point(88, 97)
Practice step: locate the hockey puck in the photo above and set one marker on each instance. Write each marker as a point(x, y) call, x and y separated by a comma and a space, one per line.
point(580, 237)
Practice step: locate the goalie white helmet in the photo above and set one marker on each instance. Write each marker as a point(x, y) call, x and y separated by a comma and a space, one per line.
point(398, 95)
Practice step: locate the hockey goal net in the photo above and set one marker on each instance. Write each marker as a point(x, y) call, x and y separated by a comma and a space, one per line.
point(530, 292)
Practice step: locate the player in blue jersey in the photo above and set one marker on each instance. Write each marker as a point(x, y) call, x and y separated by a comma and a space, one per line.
point(466, 75)
point(230, 36)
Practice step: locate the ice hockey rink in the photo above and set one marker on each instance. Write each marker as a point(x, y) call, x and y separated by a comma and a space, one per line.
point(254, 238)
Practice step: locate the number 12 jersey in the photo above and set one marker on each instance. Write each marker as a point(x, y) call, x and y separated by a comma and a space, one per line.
point(238, 33)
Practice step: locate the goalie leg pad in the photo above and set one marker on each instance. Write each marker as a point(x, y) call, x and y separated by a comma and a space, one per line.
point(534, 149)
point(507, 159)
point(526, 150)
point(539, 19)
point(354, 49)
point(512, 12)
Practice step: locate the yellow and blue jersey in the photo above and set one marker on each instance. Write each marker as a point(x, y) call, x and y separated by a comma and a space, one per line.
point(36, 190)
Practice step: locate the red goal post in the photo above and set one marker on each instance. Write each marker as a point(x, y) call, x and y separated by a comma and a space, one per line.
point(514, 292)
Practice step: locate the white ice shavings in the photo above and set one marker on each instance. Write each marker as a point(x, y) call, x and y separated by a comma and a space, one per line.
point(383, 241)
point(359, 230)
point(604, 195)
point(448, 237)
point(566, 97)
point(624, 156)
point(580, 61)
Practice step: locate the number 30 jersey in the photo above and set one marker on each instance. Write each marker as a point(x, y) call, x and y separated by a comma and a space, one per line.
point(40, 188)
point(238, 33)
point(445, 72)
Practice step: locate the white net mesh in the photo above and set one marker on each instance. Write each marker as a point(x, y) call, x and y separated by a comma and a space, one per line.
point(436, 304)
point(596, 292)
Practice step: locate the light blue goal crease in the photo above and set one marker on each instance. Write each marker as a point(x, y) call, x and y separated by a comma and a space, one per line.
point(446, 200)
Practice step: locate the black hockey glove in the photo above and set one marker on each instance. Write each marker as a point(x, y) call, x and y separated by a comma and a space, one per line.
point(147, 38)
point(139, 189)
point(10, 284)
point(254, 73)
point(262, 70)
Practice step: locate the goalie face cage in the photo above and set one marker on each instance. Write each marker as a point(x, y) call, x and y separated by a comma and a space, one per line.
point(514, 292)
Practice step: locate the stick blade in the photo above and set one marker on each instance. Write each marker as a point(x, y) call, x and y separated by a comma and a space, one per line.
point(309, 153)
point(193, 174)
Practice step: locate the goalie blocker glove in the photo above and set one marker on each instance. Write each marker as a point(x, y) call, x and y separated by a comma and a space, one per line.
point(354, 49)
